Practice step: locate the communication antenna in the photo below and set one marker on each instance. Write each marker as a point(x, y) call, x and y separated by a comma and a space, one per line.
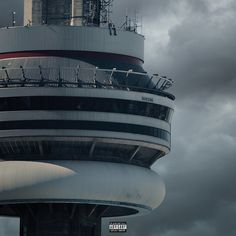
point(138, 22)
point(106, 11)
point(13, 18)
point(131, 23)
point(141, 21)
point(126, 19)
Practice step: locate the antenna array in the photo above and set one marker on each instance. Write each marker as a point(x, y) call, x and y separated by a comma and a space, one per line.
point(106, 11)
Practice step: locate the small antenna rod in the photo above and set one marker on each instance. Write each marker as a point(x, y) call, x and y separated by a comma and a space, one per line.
point(13, 18)
point(126, 19)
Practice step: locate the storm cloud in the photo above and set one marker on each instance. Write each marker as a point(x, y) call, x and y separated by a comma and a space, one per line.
point(193, 42)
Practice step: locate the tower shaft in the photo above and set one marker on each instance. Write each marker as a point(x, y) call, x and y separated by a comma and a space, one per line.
point(59, 220)
point(62, 12)
point(77, 10)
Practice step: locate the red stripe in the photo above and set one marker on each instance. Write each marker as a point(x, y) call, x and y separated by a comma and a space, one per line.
point(73, 54)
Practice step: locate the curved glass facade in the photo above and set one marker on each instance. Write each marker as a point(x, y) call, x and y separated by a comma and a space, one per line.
point(86, 125)
point(86, 104)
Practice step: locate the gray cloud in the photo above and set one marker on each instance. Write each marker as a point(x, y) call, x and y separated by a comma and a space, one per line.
point(206, 45)
point(199, 52)
point(199, 174)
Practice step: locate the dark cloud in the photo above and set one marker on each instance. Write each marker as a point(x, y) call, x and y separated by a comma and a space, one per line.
point(193, 42)
point(199, 174)
point(206, 46)
point(200, 192)
point(198, 50)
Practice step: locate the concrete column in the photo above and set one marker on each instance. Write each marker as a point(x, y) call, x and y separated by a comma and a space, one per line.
point(28, 9)
point(77, 12)
point(33, 12)
point(58, 219)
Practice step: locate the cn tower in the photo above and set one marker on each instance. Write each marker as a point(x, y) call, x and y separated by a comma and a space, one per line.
point(81, 121)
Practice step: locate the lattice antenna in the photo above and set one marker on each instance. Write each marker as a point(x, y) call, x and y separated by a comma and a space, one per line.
point(106, 11)
point(132, 23)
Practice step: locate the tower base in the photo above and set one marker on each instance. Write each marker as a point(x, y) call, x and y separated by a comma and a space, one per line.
point(59, 219)
point(69, 198)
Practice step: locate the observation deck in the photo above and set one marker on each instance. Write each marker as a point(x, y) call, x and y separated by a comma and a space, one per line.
point(81, 121)
point(91, 44)
point(84, 114)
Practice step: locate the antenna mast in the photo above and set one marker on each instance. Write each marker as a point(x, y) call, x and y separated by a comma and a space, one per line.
point(106, 11)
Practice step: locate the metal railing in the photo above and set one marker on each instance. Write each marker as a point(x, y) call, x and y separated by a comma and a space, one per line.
point(79, 77)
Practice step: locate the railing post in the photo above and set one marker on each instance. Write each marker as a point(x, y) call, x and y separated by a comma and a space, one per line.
point(41, 83)
point(59, 78)
point(161, 85)
point(24, 77)
point(8, 78)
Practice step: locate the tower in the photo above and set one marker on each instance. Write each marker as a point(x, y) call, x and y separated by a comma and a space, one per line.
point(81, 122)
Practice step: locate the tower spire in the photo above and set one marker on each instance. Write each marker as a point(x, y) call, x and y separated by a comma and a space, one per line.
point(62, 12)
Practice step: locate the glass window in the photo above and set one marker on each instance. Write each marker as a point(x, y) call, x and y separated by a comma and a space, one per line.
point(86, 104)
point(85, 125)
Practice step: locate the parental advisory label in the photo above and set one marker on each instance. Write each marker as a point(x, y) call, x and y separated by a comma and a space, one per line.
point(118, 227)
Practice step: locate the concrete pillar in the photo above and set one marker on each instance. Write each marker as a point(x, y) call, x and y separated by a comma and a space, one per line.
point(28, 8)
point(33, 12)
point(59, 220)
point(53, 12)
point(77, 12)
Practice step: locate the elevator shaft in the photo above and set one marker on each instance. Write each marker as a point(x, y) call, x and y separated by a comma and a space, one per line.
point(59, 220)
point(62, 12)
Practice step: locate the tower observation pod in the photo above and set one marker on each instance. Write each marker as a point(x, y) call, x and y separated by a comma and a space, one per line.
point(81, 121)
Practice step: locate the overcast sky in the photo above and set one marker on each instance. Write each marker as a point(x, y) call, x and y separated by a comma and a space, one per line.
point(193, 42)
